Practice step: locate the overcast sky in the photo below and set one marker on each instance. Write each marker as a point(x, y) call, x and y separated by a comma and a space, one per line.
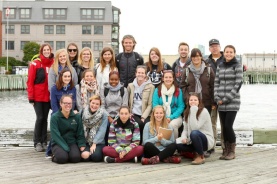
point(249, 25)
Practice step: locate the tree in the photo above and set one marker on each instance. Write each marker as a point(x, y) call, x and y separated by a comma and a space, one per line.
point(30, 49)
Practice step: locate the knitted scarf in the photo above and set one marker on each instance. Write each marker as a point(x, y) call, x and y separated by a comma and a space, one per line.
point(169, 93)
point(86, 87)
point(197, 72)
point(91, 122)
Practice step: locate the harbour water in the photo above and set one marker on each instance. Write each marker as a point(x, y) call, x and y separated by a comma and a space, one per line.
point(258, 108)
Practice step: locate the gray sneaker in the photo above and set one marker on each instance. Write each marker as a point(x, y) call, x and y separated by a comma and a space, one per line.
point(44, 146)
point(38, 147)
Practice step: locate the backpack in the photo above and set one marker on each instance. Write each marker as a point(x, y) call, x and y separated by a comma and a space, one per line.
point(187, 73)
point(165, 66)
point(106, 91)
point(35, 57)
point(95, 69)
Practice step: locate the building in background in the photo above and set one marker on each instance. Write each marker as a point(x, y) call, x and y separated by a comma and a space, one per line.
point(201, 48)
point(93, 24)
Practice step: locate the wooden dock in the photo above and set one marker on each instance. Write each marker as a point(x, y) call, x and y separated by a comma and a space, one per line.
point(253, 165)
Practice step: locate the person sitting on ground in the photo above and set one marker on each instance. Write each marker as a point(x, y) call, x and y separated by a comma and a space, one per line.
point(156, 147)
point(197, 135)
point(124, 137)
point(67, 132)
point(95, 122)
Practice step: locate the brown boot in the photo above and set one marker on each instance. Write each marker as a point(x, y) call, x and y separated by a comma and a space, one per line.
point(200, 159)
point(225, 151)
point(231, 155)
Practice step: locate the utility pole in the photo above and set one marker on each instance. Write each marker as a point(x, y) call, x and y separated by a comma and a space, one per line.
point(7, 16)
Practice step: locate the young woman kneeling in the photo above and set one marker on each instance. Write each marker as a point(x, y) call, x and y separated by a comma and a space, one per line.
point(67, 132)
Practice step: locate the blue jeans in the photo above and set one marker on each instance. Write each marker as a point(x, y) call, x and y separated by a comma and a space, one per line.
point(199, 143)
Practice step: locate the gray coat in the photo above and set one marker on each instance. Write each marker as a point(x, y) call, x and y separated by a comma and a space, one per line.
point(113, 101)
point(227, 84)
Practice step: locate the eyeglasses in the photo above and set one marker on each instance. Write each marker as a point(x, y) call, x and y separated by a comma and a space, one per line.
point(70, 50)
point(67, 103)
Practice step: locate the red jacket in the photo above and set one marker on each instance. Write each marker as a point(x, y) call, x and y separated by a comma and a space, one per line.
point(37, 83)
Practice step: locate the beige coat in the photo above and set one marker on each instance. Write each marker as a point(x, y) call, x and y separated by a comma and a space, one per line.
point(146, 98)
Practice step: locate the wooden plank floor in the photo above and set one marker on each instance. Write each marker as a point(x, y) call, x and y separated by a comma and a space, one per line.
point(252, 165)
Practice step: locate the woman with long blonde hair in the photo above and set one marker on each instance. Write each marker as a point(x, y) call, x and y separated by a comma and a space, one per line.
point(85, 61)
point(61, 61)
point(156, 147)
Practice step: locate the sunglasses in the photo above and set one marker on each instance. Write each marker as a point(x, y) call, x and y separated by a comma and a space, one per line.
point(70, 50)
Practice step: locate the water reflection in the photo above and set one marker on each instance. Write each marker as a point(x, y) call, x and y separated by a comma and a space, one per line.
point(258, 109)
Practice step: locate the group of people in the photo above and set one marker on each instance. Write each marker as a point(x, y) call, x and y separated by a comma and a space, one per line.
point(122, 109)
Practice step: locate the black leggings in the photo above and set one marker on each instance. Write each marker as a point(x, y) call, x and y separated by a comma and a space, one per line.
point(40, 131)
point(141, 125)
point(61, 156)
point(97, 156)
point(227, 119)
point(151, 150)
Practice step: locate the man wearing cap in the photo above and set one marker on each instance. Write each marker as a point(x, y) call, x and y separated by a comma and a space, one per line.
point(214, 59)
point(128, 60)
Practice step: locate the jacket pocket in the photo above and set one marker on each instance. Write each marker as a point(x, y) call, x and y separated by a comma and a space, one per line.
point(40, 76)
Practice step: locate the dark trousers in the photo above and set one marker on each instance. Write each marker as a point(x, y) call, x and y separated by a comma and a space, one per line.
point(227, 119)
point(141, 125)
point(61, 156)
point(97, 155)
point(40, 131)
point(199, 143)
point(151, 150)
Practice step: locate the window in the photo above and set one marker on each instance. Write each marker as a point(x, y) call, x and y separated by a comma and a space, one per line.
point(48, 13)
point(116, 16)
point(60, 29)
point(86, 14)
point(115, 32)
point(115, 47)
point(98, 46)
point(86, 44)
point(48, 29)
point(96, 14)
point(98, 29)
point(12, 14)
point(60, 14)
point(10, 29)
point(22, 43)
point(10, 45)
point(25, 13)
point(51, 44)
point(57, 13)
point(60, 45)
point(86, 29)
point(25, 29)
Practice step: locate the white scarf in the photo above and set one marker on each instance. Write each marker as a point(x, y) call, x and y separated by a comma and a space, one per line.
point(169, 93)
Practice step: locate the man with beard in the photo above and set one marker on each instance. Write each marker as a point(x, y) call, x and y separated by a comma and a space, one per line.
point(182, 62)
